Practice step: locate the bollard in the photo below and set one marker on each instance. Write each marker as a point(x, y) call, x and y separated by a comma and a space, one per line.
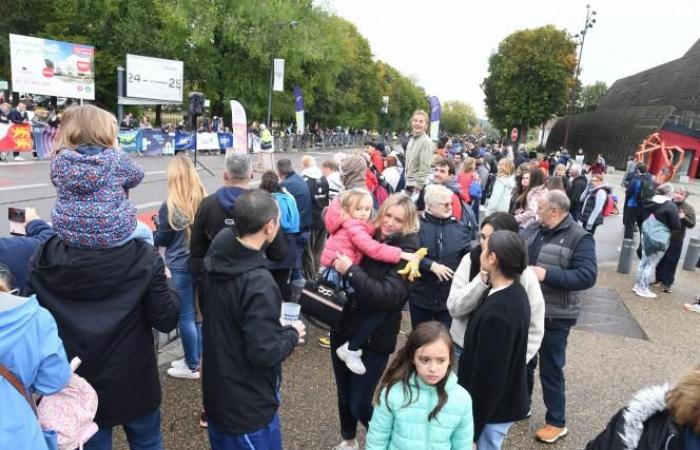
point(627, 251)
point(692, 255)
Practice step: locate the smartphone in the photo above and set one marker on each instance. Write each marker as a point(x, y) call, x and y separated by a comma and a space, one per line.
point(17, 217)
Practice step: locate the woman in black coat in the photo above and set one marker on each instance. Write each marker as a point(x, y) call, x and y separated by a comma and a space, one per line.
point(447, 241)
point(492, 367)
point(377, 287)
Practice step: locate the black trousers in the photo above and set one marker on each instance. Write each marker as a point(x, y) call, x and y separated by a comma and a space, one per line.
point(355, 391)
point(634, 216)
point(666, 269)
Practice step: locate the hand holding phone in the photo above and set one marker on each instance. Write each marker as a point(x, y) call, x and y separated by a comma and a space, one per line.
point(17, 218)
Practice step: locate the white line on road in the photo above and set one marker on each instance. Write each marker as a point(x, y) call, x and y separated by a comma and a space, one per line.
point(155, 172)
point(19, 187)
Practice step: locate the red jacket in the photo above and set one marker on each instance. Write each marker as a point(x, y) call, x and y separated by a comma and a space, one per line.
point(378, 160)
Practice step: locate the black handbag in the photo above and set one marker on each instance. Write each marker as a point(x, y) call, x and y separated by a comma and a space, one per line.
point(323, 301)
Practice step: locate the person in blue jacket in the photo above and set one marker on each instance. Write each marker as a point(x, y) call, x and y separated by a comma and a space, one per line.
point(299, 189)
point(562, 255)
point(32, 351)
point(16, 251)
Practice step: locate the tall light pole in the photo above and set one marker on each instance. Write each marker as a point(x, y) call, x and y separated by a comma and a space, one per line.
point(581, 37)
point(291, 24)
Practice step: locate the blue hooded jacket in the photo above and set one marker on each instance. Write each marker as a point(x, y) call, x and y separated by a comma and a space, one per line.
point(16, 251)
point(31, 349)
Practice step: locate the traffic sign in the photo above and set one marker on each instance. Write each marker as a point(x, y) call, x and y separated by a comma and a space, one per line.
point(514, 134)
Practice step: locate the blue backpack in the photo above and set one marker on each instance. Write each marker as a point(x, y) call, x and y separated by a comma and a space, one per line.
point(475, 189)
point(289, 213)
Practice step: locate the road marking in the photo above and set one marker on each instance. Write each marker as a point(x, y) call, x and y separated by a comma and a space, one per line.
point(155, 172)
point(148, 205)
point(22, 186)
point(22, 163)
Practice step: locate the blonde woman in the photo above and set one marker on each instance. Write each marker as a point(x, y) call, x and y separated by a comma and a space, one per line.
point(502, 188)
point(185, 193)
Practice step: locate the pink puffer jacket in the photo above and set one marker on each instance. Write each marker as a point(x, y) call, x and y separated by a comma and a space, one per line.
point(353, 238)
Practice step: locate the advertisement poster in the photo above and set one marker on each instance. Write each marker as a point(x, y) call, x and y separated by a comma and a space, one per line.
point(278, 85)
point(129, 141)
point(239, 128)
point(184, 141)
point(154, 78)
point(207, 141)
point(16, 138)
point(46, 67)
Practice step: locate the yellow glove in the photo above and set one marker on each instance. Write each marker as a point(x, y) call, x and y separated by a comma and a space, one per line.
point(411, 270)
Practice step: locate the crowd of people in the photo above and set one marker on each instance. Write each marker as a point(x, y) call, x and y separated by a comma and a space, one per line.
point(490, 248)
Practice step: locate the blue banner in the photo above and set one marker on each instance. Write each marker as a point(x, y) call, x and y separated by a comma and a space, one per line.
point(435, 115)
point(225, 140)
point(184, 141)
point(130, 141)
point(44, 137)
point(156, 142)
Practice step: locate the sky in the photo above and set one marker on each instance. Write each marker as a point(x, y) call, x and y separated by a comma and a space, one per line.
point(446, 44)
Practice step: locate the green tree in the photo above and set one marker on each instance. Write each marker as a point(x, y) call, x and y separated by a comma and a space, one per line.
point(458, 117)
point(590, 96)
point(529, 78)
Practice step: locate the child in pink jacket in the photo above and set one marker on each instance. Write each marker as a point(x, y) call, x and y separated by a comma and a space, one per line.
point(347, 221)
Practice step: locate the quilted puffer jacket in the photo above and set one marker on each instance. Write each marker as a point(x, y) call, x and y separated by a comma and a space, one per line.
point(353, 238)
point(397, 427)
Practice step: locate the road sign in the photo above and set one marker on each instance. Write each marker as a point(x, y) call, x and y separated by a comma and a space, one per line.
point(514, 134)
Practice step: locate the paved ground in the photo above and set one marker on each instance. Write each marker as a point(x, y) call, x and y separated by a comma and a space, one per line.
point(603, 370)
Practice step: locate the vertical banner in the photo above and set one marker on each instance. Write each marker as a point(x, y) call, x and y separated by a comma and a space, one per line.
point(239, 128)
point(299, 108)
point(435, 114)
point(279, 75)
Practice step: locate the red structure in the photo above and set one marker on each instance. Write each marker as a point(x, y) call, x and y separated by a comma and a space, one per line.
point(691, 146)
point(669, 153)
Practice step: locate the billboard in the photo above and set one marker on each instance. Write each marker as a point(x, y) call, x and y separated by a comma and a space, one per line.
point(154, 78)
point(46, 67)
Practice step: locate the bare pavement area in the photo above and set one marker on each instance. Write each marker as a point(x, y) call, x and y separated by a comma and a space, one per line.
point(621, 344)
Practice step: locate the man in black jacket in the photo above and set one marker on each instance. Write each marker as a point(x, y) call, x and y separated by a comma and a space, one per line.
point(320, 198)
point(577, 187)
point(300, 191)
point(216, 212)
point(244, 342)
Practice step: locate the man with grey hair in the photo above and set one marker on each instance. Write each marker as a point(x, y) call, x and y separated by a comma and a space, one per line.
point(577, 187)
point(216, 213)
point(666, 269)
point(562, 255)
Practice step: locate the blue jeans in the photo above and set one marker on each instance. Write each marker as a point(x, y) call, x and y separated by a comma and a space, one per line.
point(492, 436)
point(190, 332)
point(552, 355)
point(368, 325)
point(301, 240)
point(142, 434)
point(268, 438)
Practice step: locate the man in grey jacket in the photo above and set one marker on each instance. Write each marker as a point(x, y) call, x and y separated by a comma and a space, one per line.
point(562, 255)
point(419, 154)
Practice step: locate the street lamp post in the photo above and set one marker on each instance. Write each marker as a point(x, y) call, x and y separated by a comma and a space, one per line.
point(292, 24)
point(581, 36)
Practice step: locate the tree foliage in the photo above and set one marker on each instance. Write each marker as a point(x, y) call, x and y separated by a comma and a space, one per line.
point(227, 47)
point(529, 77)
point(458, 118)
point(590, 96)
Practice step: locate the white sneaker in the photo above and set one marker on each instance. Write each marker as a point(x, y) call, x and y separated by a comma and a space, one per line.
point(346, 446)
point(179, 363)
point(352, 359)
point(695, 307)
point(646, 293)
point(185, 373)
point(19, 158)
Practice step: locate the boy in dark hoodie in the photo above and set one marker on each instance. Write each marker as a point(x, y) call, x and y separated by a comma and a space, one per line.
point(244, 342)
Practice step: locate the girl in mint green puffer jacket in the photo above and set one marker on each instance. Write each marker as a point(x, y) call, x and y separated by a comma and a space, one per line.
point(419, 405)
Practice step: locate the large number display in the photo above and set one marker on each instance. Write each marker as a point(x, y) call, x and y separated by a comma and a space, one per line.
point(46, 67)
point(153, 78)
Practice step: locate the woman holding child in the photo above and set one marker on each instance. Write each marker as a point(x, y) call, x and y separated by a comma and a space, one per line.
point(377, 288)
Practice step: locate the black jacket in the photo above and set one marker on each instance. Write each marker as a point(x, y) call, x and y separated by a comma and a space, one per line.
point(576, 189)
point(666, 212)
point(214, 214)
point(492, 366)
point(105, 303)
point(300, 190)
point(320, 198)
point(244, 343)
point(644, 424)
point(378, 287)
point(447, 242)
